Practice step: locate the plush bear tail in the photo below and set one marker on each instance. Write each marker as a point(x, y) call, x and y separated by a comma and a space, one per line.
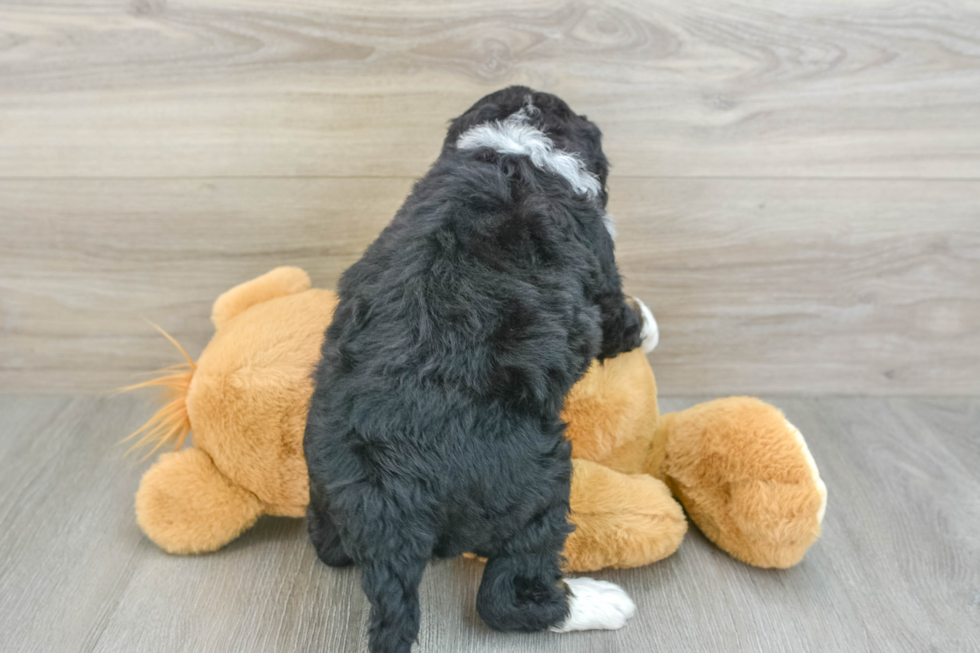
point(184, 503)
point(171, 423)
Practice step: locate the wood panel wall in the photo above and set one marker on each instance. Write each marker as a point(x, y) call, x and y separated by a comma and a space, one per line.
point(797, 185)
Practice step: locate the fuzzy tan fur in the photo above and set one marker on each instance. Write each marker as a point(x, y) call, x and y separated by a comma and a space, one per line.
point(744, 479)
point(740, 469)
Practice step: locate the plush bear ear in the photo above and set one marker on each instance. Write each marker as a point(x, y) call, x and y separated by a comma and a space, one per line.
point(186, 505)
point(275, 283)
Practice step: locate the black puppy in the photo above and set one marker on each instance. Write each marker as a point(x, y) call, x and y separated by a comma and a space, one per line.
point(435, 425)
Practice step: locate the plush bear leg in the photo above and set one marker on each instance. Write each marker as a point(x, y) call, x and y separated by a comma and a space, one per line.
point(185, 505)
point(621, 520)
point(745, 477)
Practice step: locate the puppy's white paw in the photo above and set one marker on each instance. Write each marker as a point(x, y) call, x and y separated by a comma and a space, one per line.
point(650, 335)
point(595, 605)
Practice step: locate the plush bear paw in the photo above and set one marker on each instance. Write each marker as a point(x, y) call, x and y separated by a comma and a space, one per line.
point(595, 605)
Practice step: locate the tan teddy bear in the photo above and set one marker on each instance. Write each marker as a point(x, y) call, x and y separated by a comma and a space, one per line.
point(742, 471)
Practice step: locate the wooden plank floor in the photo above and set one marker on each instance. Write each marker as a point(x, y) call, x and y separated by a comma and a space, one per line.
point(797, 183)
point(896, 569)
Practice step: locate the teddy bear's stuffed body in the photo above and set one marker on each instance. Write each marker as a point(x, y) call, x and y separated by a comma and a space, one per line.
point(741, 470)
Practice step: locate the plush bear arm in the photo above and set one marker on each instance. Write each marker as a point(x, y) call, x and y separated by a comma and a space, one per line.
point(620, 520)
point(612, 413)
point(746, 478)
point(275, 283)
point(185, 505)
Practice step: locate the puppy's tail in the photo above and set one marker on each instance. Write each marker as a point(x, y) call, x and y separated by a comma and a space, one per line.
point(171, 423)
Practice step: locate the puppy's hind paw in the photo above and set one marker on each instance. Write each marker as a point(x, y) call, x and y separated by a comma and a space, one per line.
point(595, 605)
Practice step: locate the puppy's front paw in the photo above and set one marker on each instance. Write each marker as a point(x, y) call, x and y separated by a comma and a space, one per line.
point(595, 605)
point(650, 335)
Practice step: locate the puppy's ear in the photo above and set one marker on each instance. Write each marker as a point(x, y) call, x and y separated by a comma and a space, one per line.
point(594, 156)
point(602, 172)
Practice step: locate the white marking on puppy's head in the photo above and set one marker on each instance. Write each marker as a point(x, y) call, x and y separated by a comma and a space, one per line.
point(515, 136)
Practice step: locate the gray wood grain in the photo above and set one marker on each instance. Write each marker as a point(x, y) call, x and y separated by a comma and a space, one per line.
point(801, 286)
point(896, 568)
point(149, 88)
point(796, 184)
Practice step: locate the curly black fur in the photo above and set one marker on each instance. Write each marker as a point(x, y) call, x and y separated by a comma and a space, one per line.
point(435, 425)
